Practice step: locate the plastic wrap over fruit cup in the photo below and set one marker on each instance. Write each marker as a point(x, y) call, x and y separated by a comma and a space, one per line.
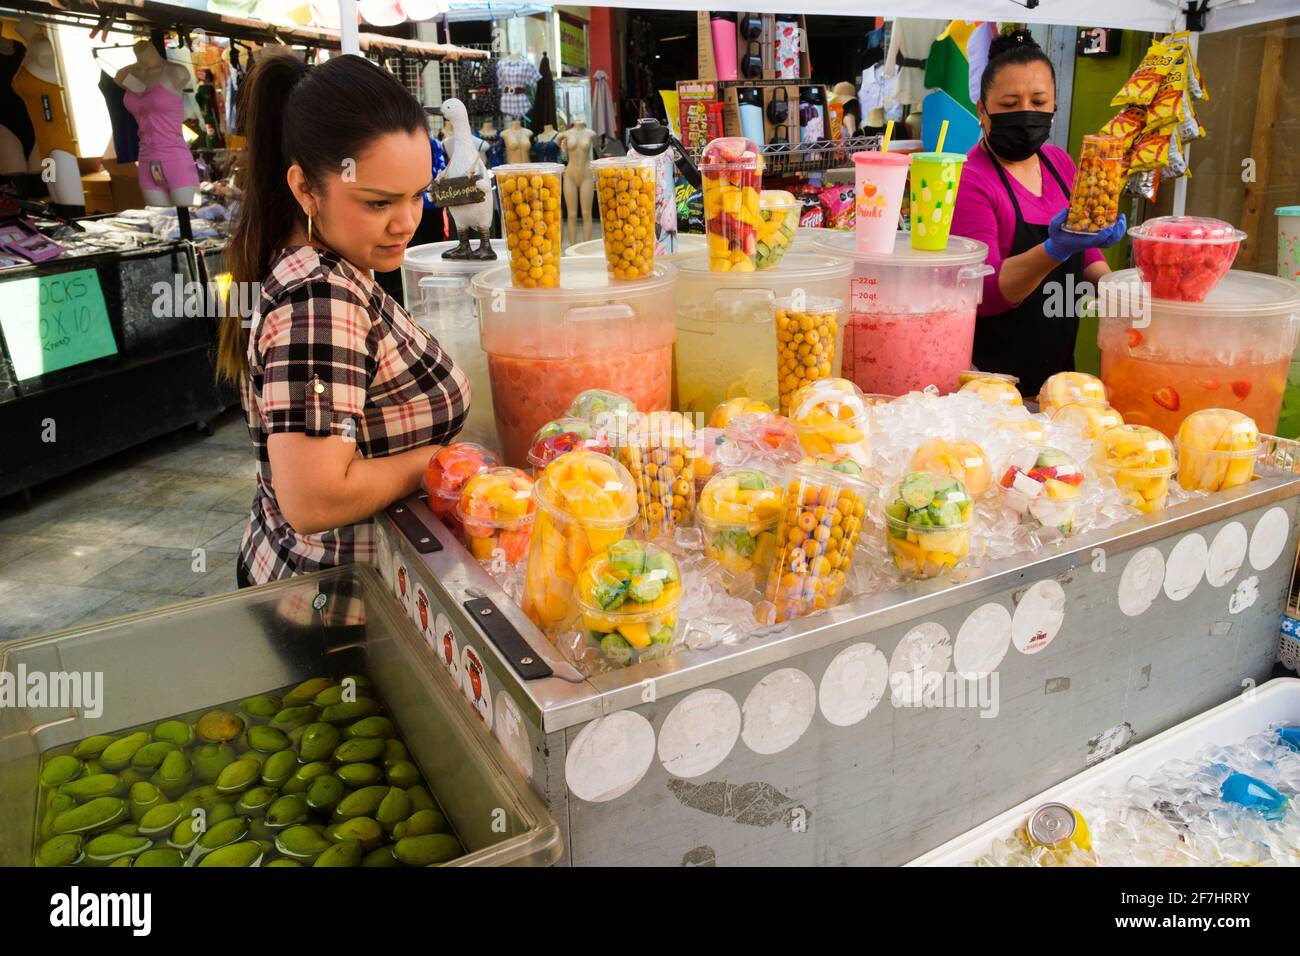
point(627, 600)
point(997, 389)
point(660, 456)
point(562, 436)
point(585, 502)
point(1023, 427)
point(963, 460)
point(1089, 417)
point(831, 418)
point(1217, 449)
point(778, 213)
point(446, 474)
point(1042, 486)
point(809, 330)
point(1184, 257)
point(739, 511)
point(825, 503)
point(770, 440)
point(610, 411)
point(715, 450)
point(1140, 460)
point(732, 175)
point(1098, 182)
point(530, 207)
point(496, 516)
point(927, 524)
point(1065, 388)
point(626, 188)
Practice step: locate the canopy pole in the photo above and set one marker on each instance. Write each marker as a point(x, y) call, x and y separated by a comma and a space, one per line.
point(349, 32)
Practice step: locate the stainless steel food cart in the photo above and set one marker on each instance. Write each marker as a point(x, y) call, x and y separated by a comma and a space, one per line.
point(808, 746)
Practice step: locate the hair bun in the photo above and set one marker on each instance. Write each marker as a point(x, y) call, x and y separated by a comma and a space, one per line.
point(1016, 39)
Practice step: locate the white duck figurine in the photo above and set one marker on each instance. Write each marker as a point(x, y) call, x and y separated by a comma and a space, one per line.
point(464, 159)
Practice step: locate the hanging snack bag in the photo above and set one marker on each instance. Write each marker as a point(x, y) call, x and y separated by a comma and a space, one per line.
point(1143, 85)
point(1127, 125)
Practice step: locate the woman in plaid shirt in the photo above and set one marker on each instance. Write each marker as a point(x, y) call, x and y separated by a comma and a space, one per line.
point(346, 397)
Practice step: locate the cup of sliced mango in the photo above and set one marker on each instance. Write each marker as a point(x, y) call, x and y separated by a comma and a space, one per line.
point(1091, 418)
point(1063, 388)
point(496, 515)
point(1140, 460)
point(739, 511)
point(830, 417)
point(627, 600)
point(928, 522)
point(963, 460)
point(998, 389)
point(1217, 448)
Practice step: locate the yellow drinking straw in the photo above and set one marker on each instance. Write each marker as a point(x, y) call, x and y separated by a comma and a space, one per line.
point(943, 132)
point(889, 131)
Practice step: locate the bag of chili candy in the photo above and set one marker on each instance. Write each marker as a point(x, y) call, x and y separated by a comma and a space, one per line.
point(1126, 125)
point(1142, 86)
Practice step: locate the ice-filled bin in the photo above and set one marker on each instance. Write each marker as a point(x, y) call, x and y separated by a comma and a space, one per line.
point(1162, 359)
point(343, 621)
point(544, 346)
point(911, 313)
point(437, 297)
point(726, 331)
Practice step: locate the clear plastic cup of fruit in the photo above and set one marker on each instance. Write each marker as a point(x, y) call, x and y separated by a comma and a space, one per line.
point(1098, 181)
point(831, 418)
point(963, 460)
point(809, 330)
point(770, 439)
point(1184, 257)
point(970, 375)
point(1217, 449)
point(927, 523)
point(778, 215)
point(739, 511)
point(825, 504)
point(1140, 460)
point(446, 474)
point(564, 435)
point(995, 389)
point(626, 188)
point(1065, 388)
point(1089, 417)
point(732, 407)
point(1042, 486)
point(660, 456)
point(585, 502)
point(496, 515)
point(731, 171)
point(627, 599)
point(609, 411)
point(715, 450)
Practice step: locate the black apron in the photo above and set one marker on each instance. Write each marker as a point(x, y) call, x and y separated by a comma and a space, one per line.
point(1024, 341)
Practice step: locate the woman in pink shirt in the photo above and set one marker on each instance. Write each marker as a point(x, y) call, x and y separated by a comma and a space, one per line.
point(1015, 192)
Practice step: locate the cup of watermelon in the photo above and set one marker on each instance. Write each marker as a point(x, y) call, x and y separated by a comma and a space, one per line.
point(1184, 257)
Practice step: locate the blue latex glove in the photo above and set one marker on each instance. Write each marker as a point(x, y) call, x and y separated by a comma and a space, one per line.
point(1060, 245)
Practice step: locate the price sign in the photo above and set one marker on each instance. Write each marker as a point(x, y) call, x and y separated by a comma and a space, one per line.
point(55, 321)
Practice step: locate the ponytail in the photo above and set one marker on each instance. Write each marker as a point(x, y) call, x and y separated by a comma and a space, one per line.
point(317, 117)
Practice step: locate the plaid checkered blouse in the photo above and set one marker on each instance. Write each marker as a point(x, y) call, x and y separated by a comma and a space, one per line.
point(331, 353)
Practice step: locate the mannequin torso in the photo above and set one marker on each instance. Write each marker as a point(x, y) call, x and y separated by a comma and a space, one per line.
point(579, 183)
point(518, 140)
point(38, 84)
point(153, 95)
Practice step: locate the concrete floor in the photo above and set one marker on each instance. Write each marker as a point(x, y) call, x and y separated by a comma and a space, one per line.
point(120, 536)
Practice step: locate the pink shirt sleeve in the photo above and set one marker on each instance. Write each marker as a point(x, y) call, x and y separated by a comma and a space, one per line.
point(979, 215)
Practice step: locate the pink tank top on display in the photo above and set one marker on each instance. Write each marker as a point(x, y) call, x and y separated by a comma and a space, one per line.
point(159, 113)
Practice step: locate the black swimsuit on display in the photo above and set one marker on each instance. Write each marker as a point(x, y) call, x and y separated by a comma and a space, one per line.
point(126, 133)
point(13, 111)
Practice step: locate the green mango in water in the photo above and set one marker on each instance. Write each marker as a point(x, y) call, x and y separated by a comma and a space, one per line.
point(239, 776)
point(150, 757)
point(401, 773)
point(370, 727)
point(419, 823)
point(263, 706)
point(347, 712)
point(359, 750)
point(421, 798)
point(347, 853)
point(161, 856)
point(279, 863)
point(224, 833)
point(356, 775)
point(287, 810)
point(360, 803)
point(278, 768)
point(318, 741)
point(248, 853)
point(96, 785)
point(60, 770)
point(142, 797)
point(92, 747)
point(210, 759)
point(117, 755)
point(325, 792)
point(306, 691)
point(291, 717)
point(267, 740)
point(107, 847)
point(161, 819)
point(255, 802)
point(62, 850)
point(364, 830)
point(301, 843)
point(395, 750)
point(175, 773)
point(176, 732)
point(97, 814)
point(427, 849)
point(380, 856)
point(304, 775)
point(394, 808)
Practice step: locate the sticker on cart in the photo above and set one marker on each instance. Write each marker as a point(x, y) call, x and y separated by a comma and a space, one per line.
point(921, 657)
point(699, 732)
point(1269, 538)
point(423, 614)
point(778, 710)
point(1185, 566)
point(445, 646)
point(609, 756)
point(1038, 617)
point(854, 683)
point(509, 728)
point(1140, 581)
point(1245, 596)
point(982, 641)
point(1227, 554)
point(474, 682)
point(402, 584)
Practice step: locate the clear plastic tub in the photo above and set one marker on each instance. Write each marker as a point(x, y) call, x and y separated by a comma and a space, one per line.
point(963, 460)
point(660, 455)
point(585, 502)
point(1098, 181)
point(1162, 360)
point(1041, 485)
point(530, 197)
point(825, 505)
point(726, 330)
point(1140, 460)
point(911, 313)
point(778, 213)
point(437, 297)
point(562, 436)
point(927, 523)
point(546, 346)
point(1069, 388)
point(739, 511)
point(625, 186)
point(731, 170)
point(808, 336)
point(445, 477)
point(1217, 449)
point(831, 418)
point(496, 515)
point(627, 602)
point(1184, 257)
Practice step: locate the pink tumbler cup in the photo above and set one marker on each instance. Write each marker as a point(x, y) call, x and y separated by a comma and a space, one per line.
point(724, 46)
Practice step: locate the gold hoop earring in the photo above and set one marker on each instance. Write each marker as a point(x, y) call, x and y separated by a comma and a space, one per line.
point(309, 227)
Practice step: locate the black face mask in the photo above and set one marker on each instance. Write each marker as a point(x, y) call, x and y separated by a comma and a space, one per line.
point(1016, 136)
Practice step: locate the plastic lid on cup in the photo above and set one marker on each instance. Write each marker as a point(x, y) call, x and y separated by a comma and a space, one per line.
point(630, 581)
point(587, 487)
point(996, 390)
point(1065, 388)
point(1287, 211)
point(839, 471)
point(924, 502)
point(454, 465)
point(1091, 418)
point(960, 251)
point(1195, 230)
point(1036, 464)
point(732, 407)
point(748, 498)
point(602, 407)
point(933, 157)
point(1138, 450)
point(876, 157)
point(838, 398)
point(563, 435)
point(1219, 431)
point(731, 153)
point(624, 162)
point(528, 169)
point(499, 497)
point(777, 199)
